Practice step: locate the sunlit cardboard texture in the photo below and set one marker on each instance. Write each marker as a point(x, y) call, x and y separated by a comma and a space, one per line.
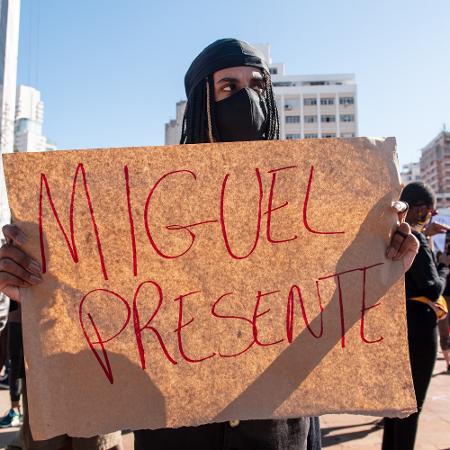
point(201, 283)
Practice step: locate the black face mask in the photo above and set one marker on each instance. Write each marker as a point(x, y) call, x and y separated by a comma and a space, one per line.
point(241, 117)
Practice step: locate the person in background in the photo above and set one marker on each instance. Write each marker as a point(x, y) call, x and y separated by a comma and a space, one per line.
point(229, 98)
point(17, 371)
point(444, 324)
point(424, 283)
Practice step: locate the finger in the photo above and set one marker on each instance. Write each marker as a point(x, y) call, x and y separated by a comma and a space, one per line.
point(9, 266)
point(18, 256)
point(12, 292)
point(14, 234)
point(10, 284)
point(409, 244)
point(7, 279)
point(401, 208)
point(397, 239)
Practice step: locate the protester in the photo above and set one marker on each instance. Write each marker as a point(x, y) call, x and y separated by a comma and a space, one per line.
point(443, 325)
point(229, 98)
point(17, 371)
point(424, 282)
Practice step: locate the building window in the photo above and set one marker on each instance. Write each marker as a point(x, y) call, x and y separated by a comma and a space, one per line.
point(329, 135)
point(347, 118)
point(328, 118)
point(348, 135)
point(310, 119)
point(311, 136)
point(293, 136)
point(310, 101)
point(346, 100)
point(284, 83)
point(327, 101)
point(273, 70)
point(292, 119)
point(291, 103)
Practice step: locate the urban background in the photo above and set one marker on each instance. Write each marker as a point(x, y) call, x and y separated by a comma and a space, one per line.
point(97, 73)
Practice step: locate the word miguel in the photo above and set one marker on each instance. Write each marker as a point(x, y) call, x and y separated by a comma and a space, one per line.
point(188, 228)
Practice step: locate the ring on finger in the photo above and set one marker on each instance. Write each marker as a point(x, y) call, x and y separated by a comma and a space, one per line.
point(401, 233)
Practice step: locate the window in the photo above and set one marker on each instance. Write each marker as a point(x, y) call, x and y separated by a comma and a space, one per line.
point(310, 101)
point(292, 119)
point(293, 136)
point(273, 70)
point(347, 118)
point(346, 101)
point(291, 103)
point(328, 118)
point(329, 135)
point(327, 101)
point(310, 119)
point(284, 83)
point(348, 135)
point(311, 136)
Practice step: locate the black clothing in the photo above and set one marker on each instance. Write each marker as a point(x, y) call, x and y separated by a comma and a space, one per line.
point(17, 369)
point(288, 434)
point(424, 278)
point(219, 55)
point(400, 434)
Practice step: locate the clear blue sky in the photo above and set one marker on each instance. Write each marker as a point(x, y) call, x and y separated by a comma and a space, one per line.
point(110, 71)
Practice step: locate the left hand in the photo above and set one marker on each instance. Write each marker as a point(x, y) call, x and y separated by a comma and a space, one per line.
point(404, 245)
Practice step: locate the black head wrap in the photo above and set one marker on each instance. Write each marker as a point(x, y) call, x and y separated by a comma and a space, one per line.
point(219, 55)
point(199, 122)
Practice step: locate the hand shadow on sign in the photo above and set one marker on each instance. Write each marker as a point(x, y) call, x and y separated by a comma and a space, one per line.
point(291, 368)
point(85, 393)
point(85, 403)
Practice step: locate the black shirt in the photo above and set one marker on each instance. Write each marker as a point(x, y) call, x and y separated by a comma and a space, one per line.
point(425, 278)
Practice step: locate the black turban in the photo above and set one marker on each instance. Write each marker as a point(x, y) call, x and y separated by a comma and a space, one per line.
point(219, 55)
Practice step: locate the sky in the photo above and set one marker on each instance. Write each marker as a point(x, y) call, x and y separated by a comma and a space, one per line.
point(111, 71)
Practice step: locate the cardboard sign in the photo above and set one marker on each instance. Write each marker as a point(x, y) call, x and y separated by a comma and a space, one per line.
point(200, 283)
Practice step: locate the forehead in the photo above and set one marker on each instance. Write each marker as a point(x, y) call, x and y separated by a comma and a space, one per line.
point(238, 73)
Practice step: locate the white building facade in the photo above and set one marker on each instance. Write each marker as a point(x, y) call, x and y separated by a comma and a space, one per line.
point(9, 46)
point(309, 106)
point(28, 135)
point(410, 172)
point(173, 127)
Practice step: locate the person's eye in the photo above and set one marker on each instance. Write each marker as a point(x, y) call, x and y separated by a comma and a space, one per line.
point(229, 87)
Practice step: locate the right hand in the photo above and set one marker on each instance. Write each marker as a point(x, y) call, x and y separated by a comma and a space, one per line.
point(17, 269)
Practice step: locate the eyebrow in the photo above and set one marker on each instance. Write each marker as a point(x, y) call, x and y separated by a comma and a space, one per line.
point(228, 79)
point(256, 76)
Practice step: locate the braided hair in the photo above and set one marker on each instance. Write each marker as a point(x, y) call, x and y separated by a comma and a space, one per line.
point(199, 125)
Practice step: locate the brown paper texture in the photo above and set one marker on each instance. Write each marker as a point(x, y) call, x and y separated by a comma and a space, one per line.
point(202, 283)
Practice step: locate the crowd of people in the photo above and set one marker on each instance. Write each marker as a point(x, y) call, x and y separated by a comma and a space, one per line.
point(230, 98)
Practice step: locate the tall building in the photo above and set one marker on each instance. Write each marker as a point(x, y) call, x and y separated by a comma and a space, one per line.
point(410, 172)
point(173, 128)
point(309, 106)
point(28, 135)
point(435, 167)
point(9, 45)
